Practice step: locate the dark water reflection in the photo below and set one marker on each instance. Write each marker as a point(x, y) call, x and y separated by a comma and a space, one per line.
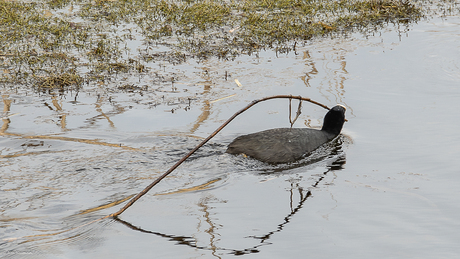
point(295, 204)
point(86, 230)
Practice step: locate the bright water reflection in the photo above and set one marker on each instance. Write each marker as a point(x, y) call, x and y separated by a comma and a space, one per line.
point(387, 188)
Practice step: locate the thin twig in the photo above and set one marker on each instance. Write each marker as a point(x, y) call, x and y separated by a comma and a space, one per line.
point(297, 114)
point(147, 189)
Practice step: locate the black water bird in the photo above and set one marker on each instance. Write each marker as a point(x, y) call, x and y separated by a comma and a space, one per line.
point(283, 145)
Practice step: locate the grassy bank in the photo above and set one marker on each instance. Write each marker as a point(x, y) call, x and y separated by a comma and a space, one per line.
point(61, 44)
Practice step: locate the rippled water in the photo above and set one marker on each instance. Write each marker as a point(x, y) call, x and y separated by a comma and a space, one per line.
point(387, 188)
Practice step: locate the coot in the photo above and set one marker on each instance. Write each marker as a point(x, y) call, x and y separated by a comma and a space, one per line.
point(285, 145)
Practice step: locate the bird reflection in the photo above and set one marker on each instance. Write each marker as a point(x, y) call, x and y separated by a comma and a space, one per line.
point(303, 193)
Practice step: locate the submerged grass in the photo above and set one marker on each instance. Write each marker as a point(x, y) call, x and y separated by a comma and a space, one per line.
point(58, 81)
point(55, 44)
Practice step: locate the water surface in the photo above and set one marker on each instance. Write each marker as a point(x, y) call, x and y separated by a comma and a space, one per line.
point(387, 188)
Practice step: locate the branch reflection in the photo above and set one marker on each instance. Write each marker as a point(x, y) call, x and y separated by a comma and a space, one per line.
point(303, 193)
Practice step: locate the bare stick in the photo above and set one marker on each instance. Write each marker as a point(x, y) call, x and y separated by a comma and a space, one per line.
point(297, 114)
point(143, 192)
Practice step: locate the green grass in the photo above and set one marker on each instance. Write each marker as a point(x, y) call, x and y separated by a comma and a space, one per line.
point(55, 44)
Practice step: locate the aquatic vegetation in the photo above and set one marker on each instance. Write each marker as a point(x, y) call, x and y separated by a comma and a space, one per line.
point(64, 43)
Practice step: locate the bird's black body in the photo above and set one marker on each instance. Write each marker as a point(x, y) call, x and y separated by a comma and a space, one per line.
point(285, 145)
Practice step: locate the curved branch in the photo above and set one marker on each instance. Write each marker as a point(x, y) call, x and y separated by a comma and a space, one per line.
point(147, 189)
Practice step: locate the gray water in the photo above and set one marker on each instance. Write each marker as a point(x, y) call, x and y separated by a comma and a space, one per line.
point(386, 188)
